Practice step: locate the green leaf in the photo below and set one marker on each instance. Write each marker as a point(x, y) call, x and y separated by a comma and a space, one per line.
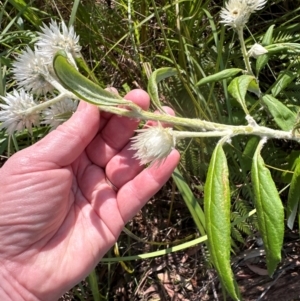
point(217, 216)
point(93, 284)
point(254, 87)
point(294, 196)
point(249, 150)
point(238, 89)
point(74, 12)
point(27, 11)
point(291, 161)
point(219, 76)
point(269, 209)
point(283, 48)
point(84, 68)
point(283, 81)
point(262, 60)
point(156, 77)
point(268, 37)
point(282, 115)
point(82, 87)
point(190, 201)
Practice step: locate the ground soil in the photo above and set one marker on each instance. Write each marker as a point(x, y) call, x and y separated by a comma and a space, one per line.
point(187, 275)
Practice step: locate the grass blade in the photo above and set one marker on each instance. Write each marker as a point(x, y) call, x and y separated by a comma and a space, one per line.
point(190, 201)
point(293, 197)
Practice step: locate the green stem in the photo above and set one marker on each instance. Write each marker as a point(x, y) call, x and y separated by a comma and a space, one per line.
point(244, 51)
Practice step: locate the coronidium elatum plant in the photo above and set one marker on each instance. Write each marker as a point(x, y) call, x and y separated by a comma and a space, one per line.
point(50, 70)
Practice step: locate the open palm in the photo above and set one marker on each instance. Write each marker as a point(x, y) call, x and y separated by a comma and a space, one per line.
point(65, 200)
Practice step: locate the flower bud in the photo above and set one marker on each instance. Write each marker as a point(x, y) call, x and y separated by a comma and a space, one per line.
point(256, 50)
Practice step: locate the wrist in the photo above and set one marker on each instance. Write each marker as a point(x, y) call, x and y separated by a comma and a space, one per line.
point(11, 289)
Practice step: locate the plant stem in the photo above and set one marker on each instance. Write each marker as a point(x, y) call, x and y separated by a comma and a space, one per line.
point(185, 134)
point(48, 103)
point(208, 129)
point(244, 51)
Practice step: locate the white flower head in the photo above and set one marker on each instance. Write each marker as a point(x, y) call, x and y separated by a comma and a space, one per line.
point(153, 144)
point(57, 37)
point(13, 114)
point(237, 12)
point(59, 112)
point(31, 73)
point(256, 50)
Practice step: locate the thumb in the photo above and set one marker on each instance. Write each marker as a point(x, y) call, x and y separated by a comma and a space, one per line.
point(63, 145)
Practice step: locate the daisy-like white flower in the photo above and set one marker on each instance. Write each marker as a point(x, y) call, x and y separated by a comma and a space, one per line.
point(256, 50)
point(13, 114)
point(59, 112)
point(57, 37)
point(237, 12)
point(153, 144)
point(31, 73)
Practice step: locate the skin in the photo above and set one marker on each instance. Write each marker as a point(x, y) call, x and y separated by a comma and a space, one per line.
point(59, 214)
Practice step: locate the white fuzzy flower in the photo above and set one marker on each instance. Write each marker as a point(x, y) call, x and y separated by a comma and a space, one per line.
point(255, 5)
point(59, 112)
point(31, 73)
point(237, 12)
point(153, 144)
point(256, 50)
point(13, 114)
point(57, 37)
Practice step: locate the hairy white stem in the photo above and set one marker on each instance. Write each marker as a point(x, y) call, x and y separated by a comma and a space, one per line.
point(50, 102)
point(207, 128)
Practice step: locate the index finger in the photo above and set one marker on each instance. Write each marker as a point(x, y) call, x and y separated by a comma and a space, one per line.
point(117, 131)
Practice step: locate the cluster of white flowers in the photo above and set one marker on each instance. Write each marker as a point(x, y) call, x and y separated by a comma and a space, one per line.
point(59, 112)
point(237, 12)
point(12, 113)
point(33, 73)
point(154, 144)
point(54, 38)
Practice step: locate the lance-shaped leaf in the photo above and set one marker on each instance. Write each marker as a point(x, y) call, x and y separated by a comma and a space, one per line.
point(294, 196)
point(270, 213)
point(83, 67)
point(227, 73)
point(82, 87)
point(238, 89)
point(217, 217)
point(249, 150)
point(156, 77)
point(284, 79)
point(282, 115)
point(263, 59)
point(27, 11)
point(283, 48)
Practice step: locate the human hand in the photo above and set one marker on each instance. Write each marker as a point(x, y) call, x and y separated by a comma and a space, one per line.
point(59, 214)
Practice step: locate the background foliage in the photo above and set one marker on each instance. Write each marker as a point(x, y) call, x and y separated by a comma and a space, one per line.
point(123, 43)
